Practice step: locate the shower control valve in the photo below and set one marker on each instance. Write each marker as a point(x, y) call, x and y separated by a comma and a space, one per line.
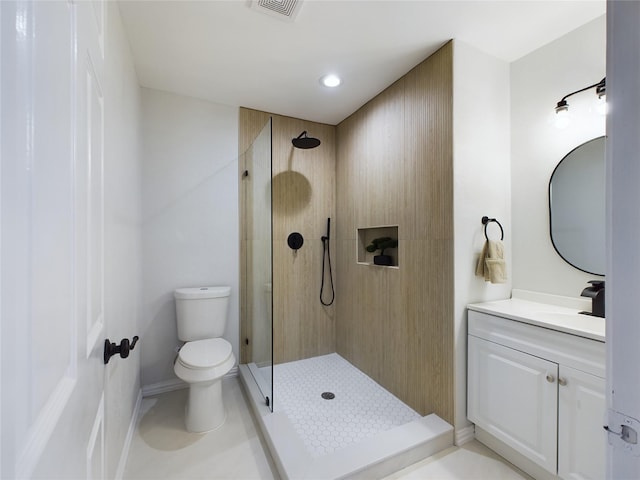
point(295, 241)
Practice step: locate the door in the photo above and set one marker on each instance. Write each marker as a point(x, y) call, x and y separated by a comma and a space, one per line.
point(581, 414)
point(513, 396)
point(623, 236)
point(52, 243)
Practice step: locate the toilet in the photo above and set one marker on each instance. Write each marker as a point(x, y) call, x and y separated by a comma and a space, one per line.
point(205, 357)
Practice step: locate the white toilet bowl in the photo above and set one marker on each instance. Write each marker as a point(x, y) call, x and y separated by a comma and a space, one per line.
point(202, 364)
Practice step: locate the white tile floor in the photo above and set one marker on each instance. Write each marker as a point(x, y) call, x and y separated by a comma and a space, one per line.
point(472, 461)
point(162, 449)
point(361, 408)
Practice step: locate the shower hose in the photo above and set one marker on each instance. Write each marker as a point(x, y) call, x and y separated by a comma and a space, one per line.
point(326, 255)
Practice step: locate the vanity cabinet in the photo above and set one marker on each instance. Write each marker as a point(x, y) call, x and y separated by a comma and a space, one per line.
point(540, 392)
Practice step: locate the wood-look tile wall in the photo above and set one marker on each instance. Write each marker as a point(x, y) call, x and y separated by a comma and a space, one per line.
point(303, 196)
point(395, 167)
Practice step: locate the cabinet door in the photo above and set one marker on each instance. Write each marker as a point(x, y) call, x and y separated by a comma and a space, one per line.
point(581, 439)
point(514, 397)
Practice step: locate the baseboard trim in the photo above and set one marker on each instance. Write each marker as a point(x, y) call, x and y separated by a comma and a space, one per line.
point(175, 384)
point(464, 435)
point(163, 387)
point(124, 455)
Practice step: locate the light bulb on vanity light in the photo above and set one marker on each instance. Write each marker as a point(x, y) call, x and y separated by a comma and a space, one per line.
point(601, 105)
point(601, 92)
point(562, 118)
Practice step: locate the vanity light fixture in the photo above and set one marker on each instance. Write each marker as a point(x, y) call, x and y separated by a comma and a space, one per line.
point(562, 119)
point(563, 106)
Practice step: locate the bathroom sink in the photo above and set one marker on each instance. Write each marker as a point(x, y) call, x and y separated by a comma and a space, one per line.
point(572, 322)
point(561, 316)
point(569, 322)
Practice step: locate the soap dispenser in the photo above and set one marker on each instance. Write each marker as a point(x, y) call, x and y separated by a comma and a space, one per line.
point(596, 293)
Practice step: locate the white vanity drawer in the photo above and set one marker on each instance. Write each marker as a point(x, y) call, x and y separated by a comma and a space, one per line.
point(577, 352)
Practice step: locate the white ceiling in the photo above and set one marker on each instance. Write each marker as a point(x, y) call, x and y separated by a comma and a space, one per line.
point(228, 53)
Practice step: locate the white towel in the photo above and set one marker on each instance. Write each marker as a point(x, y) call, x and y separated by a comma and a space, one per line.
point(491, 264)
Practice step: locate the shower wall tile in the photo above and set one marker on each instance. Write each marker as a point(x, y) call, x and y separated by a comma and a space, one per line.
point(395, 167)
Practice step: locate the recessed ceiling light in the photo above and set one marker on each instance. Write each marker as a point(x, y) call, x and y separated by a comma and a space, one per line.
point(330, 80)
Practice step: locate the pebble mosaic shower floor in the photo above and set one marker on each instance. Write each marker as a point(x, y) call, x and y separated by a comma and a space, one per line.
point(361, 408)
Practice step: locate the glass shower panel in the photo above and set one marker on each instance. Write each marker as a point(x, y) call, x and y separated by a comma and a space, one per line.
point(258, 262)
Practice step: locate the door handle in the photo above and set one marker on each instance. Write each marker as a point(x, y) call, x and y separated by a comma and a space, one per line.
point(111, 349)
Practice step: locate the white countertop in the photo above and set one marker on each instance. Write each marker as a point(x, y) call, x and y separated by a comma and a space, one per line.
point(560, 316)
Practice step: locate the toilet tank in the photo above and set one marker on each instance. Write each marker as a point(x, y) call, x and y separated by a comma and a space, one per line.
point(201, 312)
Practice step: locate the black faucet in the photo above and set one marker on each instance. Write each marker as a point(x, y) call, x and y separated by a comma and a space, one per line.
point(596, 293)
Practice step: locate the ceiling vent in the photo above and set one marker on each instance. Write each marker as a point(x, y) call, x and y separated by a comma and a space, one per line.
point(282, 9)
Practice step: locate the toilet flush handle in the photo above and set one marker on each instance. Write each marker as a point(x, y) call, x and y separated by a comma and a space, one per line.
point(110, 349)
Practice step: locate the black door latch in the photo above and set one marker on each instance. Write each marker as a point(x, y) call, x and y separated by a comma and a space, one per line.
point(110, 349)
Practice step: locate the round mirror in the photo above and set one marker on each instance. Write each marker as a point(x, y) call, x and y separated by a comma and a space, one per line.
point(577, 207)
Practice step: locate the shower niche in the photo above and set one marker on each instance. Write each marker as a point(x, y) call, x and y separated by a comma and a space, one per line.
point(367, 235)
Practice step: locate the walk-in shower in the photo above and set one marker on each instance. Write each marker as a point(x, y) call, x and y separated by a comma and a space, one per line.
point(322, 417)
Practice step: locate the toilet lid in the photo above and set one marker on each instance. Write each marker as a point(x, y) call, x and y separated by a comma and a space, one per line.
point(205, 353)
point(201, 293)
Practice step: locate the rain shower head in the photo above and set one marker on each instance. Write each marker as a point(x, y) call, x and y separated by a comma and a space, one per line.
point(302, 141)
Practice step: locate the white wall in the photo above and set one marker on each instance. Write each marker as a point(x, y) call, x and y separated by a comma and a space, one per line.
point(122, 187)
point(190, 217)
point(538, 81)
point(481, 169)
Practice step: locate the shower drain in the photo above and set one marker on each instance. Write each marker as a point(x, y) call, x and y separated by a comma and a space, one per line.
point(328, 395)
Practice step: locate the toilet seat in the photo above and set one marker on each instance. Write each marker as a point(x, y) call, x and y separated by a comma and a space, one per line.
point(204, 360)
point(202, 354)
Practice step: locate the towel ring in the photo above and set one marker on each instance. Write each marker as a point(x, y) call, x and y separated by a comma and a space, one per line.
point(486, 221)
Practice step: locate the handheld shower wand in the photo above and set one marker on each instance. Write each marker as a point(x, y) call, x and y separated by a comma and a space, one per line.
point(327, 255)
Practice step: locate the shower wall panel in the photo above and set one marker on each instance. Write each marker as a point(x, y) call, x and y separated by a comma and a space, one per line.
point(303, 189)
point(395, 167)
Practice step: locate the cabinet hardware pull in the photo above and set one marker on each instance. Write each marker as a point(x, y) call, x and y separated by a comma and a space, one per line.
point(550, 378)
point(562, 381)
